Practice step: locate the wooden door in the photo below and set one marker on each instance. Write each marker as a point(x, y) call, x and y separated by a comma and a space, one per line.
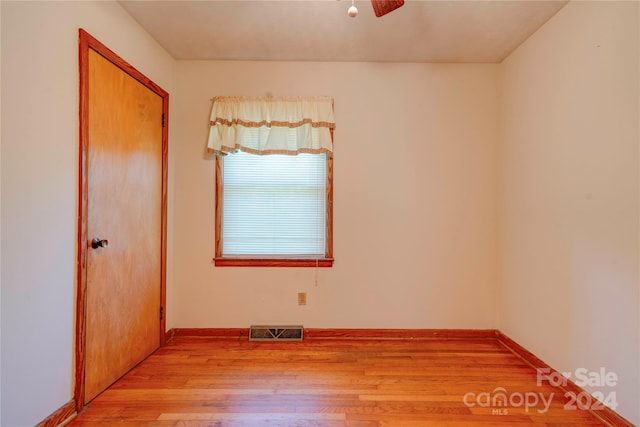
point(124, 222)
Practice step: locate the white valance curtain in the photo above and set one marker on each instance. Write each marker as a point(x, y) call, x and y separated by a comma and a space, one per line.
point(272, 125)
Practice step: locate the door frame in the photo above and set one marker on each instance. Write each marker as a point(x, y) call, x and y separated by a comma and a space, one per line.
point(87, 42)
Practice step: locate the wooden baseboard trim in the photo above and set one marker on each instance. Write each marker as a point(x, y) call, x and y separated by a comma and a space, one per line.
point(400, 334)
point(210, 332)
point(313, 333)
point(606, 415)
point(60, 416)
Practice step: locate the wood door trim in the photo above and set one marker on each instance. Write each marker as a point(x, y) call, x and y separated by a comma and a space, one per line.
point(87, 42)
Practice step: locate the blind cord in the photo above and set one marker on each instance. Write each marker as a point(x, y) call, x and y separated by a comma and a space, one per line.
point(318, 228)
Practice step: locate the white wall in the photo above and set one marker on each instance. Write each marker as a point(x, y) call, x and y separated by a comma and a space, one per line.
point(570, 285)
point(39, 188)
point(415, 200)
point(0, 225)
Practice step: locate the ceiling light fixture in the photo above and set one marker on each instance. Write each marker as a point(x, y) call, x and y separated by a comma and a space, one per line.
point(353, 10)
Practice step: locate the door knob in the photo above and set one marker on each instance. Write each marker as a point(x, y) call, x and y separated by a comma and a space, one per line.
point(99, 243)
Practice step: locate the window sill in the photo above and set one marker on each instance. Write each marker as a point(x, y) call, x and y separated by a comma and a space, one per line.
point(272, 262)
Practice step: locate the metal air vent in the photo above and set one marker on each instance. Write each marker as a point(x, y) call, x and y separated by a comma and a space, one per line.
point(276, 333)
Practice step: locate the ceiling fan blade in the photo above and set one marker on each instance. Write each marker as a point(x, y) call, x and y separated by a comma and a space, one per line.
point(382, 7)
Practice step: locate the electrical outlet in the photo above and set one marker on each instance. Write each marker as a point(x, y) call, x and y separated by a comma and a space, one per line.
point(302, 298)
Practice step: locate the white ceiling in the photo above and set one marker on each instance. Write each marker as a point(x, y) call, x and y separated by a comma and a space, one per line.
point(320, 30)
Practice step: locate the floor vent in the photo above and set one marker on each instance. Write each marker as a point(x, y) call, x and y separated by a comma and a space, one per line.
point(276, 333)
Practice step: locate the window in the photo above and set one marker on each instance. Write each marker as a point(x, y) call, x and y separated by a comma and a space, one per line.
point(274, 210)
point(274, 181)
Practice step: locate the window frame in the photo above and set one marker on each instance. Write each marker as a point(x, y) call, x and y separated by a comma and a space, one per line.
point(275, 261)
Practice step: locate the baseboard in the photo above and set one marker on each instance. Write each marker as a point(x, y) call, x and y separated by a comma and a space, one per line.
point(351, 334)
point(400, 334)
point(210, 332)
point(168, 335)
point(60, 416)
point(606, 415)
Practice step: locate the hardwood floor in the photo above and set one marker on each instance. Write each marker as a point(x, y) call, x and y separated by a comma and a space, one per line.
point(203, 381)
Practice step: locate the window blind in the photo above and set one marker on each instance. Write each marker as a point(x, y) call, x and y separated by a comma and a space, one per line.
point(274, 206)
